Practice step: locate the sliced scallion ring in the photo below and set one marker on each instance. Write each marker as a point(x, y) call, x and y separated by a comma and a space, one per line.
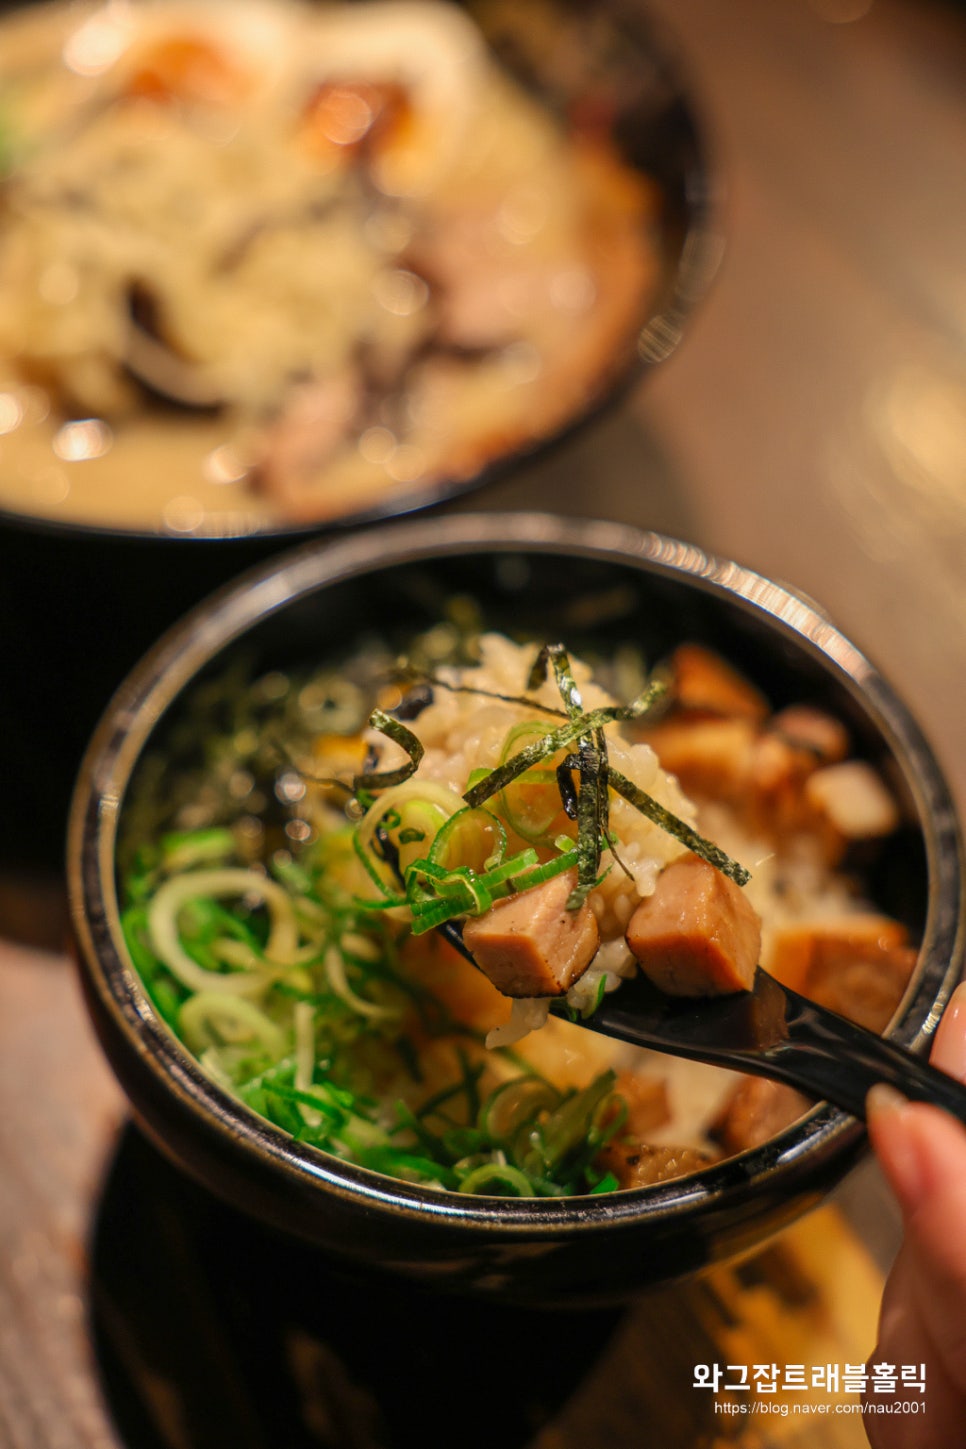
point(530, 803)
point(514, 1104)
point(210, 1018)
point(339, 982)
point(495, 1179)
point(418, 807)
point(471, 837)
point(165, 908)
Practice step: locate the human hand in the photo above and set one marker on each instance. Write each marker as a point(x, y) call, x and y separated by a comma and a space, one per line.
point(922, 1153)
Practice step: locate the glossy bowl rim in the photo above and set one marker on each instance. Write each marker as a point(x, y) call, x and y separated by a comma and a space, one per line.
point(221, 620)
point(683, 285)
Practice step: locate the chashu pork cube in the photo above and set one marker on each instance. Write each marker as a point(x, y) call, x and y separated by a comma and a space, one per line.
point(812, 729)
point(702, 681)
point(856, 965)
point(854, 800)
point(530, 945)
point(698, 934)
point(709, 756)
point(645, 1165)
point(756, 1110)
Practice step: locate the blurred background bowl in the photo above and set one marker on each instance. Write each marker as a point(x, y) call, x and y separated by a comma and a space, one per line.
point(591, 583)
point(82, 602)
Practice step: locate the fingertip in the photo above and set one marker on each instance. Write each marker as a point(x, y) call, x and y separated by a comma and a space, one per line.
point(881, 1101)
point(894, 1145)
point(949, 1048)
point(921, 1149)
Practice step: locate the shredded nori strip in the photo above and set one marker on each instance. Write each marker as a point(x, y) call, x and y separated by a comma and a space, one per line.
point(396, 731)
point(593, 787)
point(677, 827)
point(593, 784)
point(414, 701)
point(559, 739)
point(421, 676)
point(565, 785)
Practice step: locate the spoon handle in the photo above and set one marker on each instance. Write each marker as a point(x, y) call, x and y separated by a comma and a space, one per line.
point(839, 1061)
point(771, 1031)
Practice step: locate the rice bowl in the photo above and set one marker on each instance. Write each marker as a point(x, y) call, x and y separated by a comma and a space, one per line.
point(635, 582)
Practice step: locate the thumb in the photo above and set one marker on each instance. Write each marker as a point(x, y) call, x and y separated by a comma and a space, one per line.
point(922, 1153)
point(920, 1149)
point(949, 1048)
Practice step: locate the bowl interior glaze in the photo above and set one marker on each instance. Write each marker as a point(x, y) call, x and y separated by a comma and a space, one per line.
point(545, 578)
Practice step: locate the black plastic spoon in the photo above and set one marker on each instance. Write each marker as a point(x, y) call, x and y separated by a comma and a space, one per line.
point(770, 1031)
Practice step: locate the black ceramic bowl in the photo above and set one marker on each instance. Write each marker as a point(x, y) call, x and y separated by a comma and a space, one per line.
point(89, 598)
point(549, 578)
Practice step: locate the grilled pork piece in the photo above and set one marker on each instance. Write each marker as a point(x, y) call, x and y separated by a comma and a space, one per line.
point(856, 965)
point(642, 1165)
point(705, 683)
point(530, 944)
point(756, 1110)
point(697, 935)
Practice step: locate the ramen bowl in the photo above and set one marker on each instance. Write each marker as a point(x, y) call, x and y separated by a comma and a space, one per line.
point(125, 480)
point(543, 578)
point(338, 261)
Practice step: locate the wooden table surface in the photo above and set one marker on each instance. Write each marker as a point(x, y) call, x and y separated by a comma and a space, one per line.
point(813, 426)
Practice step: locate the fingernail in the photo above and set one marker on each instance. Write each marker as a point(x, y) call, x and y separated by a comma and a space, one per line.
point(895, 1145)
point(883, 1099)
point(949, 1048)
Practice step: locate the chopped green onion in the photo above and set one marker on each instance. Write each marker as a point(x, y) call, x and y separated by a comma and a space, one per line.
point(514, 1104)
point(409, 1166)
point(494, 1179)
point(471, 836)
point(599, 994)
point(209, 1018)
point(184, 849)
point(460, 892)
point(162, 920)
point(529, 807)
point(315, 1098)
